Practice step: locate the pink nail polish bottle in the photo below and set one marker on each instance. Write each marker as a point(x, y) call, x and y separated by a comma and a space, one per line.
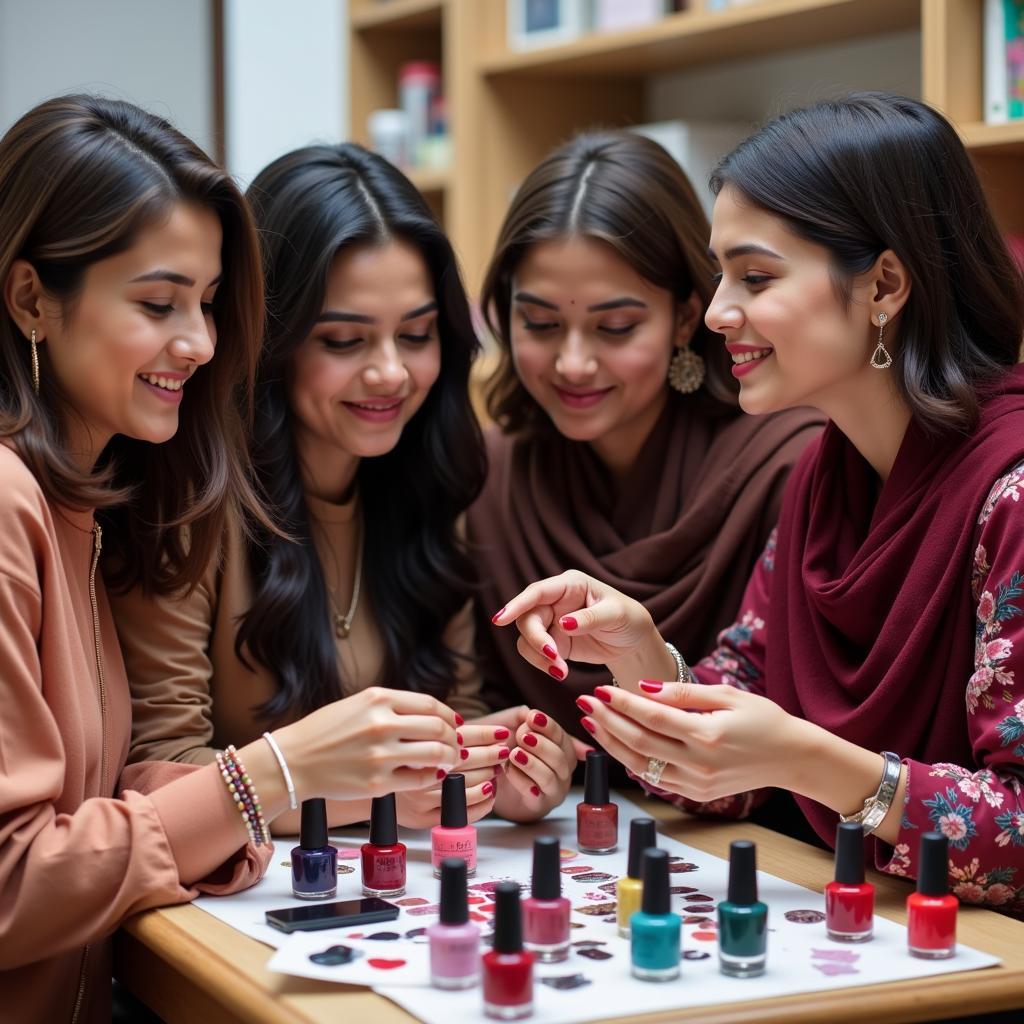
point(454, 837)
point(546, 912)
point(454, 939)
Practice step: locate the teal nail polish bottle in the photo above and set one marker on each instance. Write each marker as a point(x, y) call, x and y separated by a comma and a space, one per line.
point(654, 929)
point(742, 918)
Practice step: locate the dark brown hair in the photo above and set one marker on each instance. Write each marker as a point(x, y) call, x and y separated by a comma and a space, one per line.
point(80, 178)
point(871, 172)
point(625, 190)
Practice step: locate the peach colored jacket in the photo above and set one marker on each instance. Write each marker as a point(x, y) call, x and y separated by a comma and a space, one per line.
point(75, 858)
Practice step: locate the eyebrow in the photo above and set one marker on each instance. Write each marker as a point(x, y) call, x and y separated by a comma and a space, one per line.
point(344, 317)
point(600, 307)
point(750, 249)
point(173, 277)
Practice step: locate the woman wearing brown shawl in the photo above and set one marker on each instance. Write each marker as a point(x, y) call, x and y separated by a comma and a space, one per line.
point(596, 295)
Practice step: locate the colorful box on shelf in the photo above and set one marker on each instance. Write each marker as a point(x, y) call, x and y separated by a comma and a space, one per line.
point(546, 22)
point(1004, 60)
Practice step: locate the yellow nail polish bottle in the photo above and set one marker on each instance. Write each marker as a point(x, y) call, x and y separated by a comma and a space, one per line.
point(629, 891)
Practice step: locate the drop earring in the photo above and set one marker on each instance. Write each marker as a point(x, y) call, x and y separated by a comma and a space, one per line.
point(686, 371)
point(35, 364)
point(880, 358)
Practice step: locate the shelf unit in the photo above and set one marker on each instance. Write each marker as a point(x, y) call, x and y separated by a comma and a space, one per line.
point(507, 109)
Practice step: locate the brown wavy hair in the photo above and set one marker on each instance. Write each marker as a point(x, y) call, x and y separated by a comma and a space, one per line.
point(80, 177)
point(625, 190)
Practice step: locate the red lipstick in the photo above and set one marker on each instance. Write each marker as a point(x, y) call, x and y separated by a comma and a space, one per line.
point(383, 857)
point(508, 968)
point(849, 900)
point(931, 911)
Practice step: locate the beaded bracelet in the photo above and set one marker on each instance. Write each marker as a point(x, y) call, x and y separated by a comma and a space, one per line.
point(243, 793)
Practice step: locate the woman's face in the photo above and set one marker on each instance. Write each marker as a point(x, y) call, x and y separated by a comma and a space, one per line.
point(141, 326)
point(371, 358)
point(592, 339)
point(792, 341)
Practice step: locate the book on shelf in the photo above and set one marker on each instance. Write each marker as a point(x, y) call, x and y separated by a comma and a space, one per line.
point(1003, 60)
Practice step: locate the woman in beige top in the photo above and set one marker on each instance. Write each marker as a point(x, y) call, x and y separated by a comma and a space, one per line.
point(367, 449)
point(124, 255)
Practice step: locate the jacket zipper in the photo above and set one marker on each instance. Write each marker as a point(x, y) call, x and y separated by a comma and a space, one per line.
point(97, 547)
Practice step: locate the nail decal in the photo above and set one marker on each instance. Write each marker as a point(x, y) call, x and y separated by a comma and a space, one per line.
point(345, 869)
point(566, 982)
point(597, 909)
point(384, 936)
point(697, 897)
point(676, 865)
point(567, 854)
point(678, 890)
point(417, 935)
point(695, 954)
point(698, 920)
point(584, 943)
point(335, 956)
point(705, 936)
point(842, 956)
point(574, 869)
point(432, 908)
point(348, 853)
point(591, 876)
point(385, 965)
point(804, 916)
point(594, 954)
point(412, 901)
point(702, 909)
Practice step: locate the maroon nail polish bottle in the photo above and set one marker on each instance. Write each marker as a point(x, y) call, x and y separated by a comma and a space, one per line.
point(508, 968)
point(849, 900)
point(546, 912)
point(597, 818)
point(383, 856)
point(931, 911)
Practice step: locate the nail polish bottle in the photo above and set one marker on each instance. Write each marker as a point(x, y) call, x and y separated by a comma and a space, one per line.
point(742, 918)
point(597, 818)
point(383, 856)
point(454, 939)
point(546, 912)
point(642, 836)
point(508, 968)
point(314, 860)
point(849, 900)
point(454, 837)
point(931, 911)
point(654, 929)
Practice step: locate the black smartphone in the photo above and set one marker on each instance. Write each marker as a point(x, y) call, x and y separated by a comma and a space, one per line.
point(332, 915)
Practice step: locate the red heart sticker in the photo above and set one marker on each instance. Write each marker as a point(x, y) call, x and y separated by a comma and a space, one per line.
point(385, 965)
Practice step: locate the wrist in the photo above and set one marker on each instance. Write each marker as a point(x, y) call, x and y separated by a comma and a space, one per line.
point(268, 782)
point(649, 659)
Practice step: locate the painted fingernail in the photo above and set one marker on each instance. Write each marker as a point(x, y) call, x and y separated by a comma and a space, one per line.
point(549, 652)
point(488, 788)
point(556, 672)
point(503, 753)
point(650, 686)
point(458, 736)
point(540, 720)
point(521, 757)
point(464, 753)
point(441, 773)
point(603, 693)
point(584, 705)
point(567, 622)
point(459, 720)
point(497, 615)
point(588, 725)
point(535, 790)
point(501, 733)
point(530, 740)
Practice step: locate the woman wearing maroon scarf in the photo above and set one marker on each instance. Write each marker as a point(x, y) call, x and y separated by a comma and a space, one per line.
point(883, 628)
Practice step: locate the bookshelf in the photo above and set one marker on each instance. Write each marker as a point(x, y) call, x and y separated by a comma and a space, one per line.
point(508, 108)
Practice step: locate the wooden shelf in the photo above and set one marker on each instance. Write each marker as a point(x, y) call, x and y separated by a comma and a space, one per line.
point(430, 181)
point(702, 37)
point(993, 139)
point(397, 15)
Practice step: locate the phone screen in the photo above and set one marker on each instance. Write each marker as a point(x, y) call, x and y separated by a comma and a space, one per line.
point(332, 915)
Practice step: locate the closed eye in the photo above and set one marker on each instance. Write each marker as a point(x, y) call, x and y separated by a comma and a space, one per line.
point(537, 325)
point(157, 308)
point(618, 331)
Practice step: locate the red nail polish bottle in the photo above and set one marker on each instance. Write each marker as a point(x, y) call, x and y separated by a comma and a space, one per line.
point(546, 912)
point(597, 818)
point(931, 911)
point(849, 900)
point(383, 856)
point(508, 968)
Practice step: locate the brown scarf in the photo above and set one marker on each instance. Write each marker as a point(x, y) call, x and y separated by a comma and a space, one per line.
point(680, 535)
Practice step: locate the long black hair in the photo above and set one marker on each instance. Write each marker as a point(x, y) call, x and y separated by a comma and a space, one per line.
point(310, 204)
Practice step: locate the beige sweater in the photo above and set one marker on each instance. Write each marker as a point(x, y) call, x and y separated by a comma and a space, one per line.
point(192, 695)
point(74, 859)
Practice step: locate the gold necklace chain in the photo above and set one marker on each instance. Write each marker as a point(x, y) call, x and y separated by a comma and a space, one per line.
point(343, 622)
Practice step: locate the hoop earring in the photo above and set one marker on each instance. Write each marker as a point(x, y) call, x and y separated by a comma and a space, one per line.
point(686, 372)
point(35, 364)
point(880, 358)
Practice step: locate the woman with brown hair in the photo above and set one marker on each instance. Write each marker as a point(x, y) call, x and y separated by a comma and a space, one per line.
point(620, 449)
point(126, 256)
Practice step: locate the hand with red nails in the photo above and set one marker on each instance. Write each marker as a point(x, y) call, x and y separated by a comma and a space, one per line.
point(574, 617)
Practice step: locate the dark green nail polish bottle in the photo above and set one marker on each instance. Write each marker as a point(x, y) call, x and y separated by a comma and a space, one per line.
point(742, 918)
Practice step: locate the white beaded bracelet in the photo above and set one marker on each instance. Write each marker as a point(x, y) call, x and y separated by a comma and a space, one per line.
point(292, 802)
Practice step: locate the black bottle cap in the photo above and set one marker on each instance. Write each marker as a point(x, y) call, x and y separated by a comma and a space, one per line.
point(642, 836)
point(453, 801)
point(547, 862)
point(454, 908)
point(742, 872)
point(508, 921)
point(595, 787)
point(654, 872)
point(849, 853)
point(313, 831)
point(383, 821)
point(933, 865)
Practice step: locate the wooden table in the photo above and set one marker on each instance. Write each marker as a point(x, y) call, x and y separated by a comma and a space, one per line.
point(190, 967)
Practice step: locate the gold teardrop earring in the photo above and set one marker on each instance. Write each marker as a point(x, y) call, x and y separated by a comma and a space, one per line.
point(686, 371)
point(35, 364)
point(880, 358)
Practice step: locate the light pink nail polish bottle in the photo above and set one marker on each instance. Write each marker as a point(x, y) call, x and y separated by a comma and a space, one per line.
point(454, 940)
point(454, 837)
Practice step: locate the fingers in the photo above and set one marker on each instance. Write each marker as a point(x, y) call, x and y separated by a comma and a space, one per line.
point(422, 727)
point(538, 646)
point(412, 754)
point(405, 702)
point(473, 734)
point(579, 748)
point(480, 800)
point(542, 593)
point(604, 721)
point(471, 758)
point(689, 696)
point(672, 711)
point(529, 653)
point(402, 779)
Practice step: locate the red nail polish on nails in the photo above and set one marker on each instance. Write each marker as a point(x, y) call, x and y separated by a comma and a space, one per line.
point(603, 693)
point(567, 622)
point(501, 733)
point(458, 737)
point(651, 686)
point(497, 615)
point(488, 788)
point(521, 757)
point(459, 720)
point(535, 790)
point(584, 705)
point(540, 720)
point(441, 773)
point(549, 652)
point(503, 753)
point(530, 740)
point(464, 754)
point(556, 672)
point(588, 725)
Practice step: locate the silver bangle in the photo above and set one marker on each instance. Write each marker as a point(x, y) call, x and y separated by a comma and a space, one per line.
point(876, 807)
point(292, 802)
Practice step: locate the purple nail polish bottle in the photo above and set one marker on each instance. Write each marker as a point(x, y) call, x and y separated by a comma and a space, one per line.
point(314, 860)
point(454, 940)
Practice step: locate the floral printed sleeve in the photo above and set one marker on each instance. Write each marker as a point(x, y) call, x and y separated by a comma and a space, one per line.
point(980, 807)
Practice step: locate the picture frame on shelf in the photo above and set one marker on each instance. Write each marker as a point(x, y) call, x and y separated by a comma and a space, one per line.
point(533, 23)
